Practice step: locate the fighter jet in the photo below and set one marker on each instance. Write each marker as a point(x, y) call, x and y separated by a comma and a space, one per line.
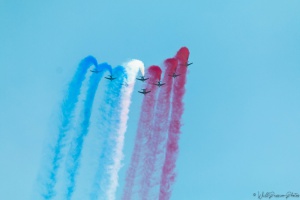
point(142, 78)
point(187, 64)
point(159, 83)
point(94, 70)
point(110, 77)
point(125, 84)
point(174, 75)
point(144, 91)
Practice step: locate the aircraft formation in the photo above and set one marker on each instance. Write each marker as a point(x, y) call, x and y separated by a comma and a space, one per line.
point(142, 78)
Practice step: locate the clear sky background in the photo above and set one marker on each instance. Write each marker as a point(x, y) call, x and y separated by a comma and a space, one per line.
point(241, 128)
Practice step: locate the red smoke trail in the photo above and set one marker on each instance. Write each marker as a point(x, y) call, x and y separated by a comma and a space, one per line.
point(160, 127)
point(144, 129)
point(168, 174)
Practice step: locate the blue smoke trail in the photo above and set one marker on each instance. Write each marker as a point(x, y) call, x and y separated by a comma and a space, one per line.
point(73, 159)
point(109, 120)
point(67, 110)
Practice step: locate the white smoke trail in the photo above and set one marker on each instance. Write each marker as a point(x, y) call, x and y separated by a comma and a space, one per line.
point(132, 67)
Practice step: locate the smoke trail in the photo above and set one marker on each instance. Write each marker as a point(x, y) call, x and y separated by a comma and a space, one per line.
point(144, 128)
point(168, 174)
point(114, 115)
point(75, 150)
point(154, 148)
point(67, 111)
point(132, 70)
point(109, 112)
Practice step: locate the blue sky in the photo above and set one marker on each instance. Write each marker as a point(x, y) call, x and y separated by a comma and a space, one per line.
point(242, 112)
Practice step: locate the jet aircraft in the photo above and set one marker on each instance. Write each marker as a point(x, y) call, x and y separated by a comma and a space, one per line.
point(110, 77)
point(159, 83)
point(142, 78)
point(174, 75)
point(144, 91)
point(187, 64)
point(94, 70)
point(125, 84)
